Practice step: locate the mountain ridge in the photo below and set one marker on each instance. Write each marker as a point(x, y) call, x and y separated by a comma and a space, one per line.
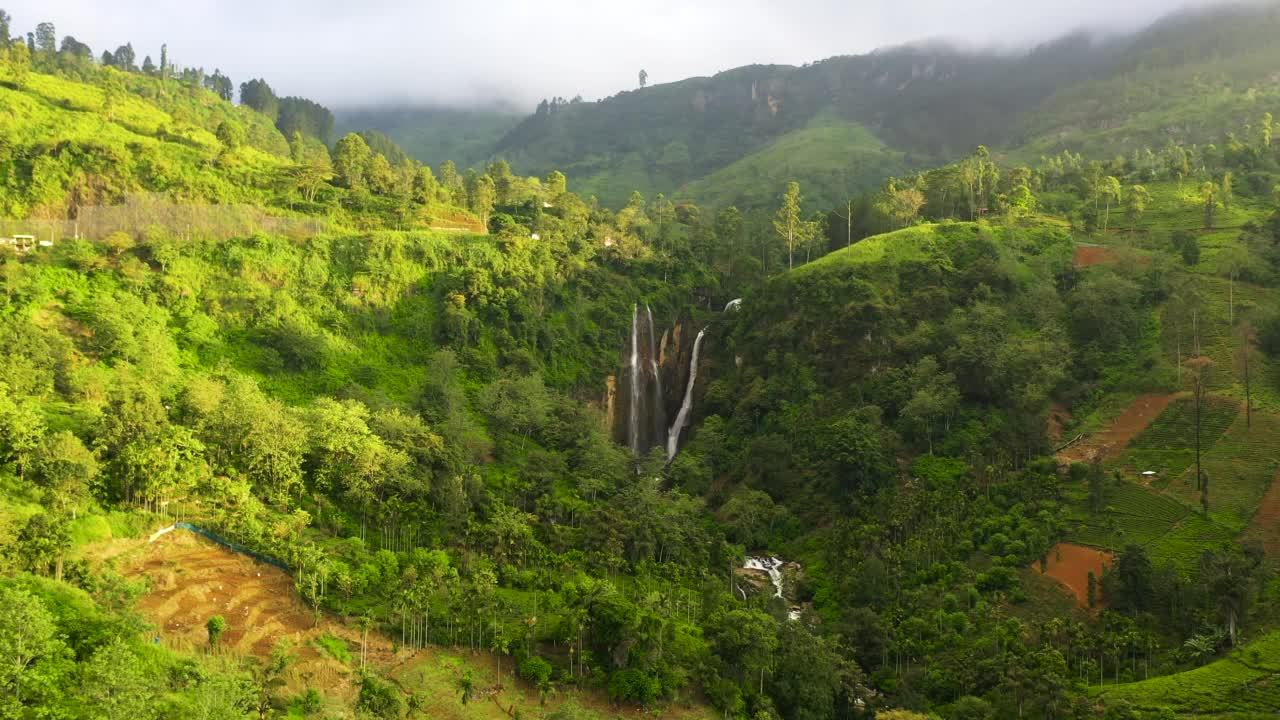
point(932, 102)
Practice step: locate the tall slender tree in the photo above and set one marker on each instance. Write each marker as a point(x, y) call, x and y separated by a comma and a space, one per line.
point(787, 222)
point(6, 22)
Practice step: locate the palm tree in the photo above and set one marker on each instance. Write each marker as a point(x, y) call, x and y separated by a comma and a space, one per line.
point(1201, 648)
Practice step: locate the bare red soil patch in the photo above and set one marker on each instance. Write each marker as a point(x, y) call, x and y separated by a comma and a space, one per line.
point(1089, 255)
point(1266, 521)
point(1070, 564)
point(1109, 443)
point(193, 579)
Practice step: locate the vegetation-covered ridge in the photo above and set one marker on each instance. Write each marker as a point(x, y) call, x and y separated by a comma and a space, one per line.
point(407, 394)
point(839, 125)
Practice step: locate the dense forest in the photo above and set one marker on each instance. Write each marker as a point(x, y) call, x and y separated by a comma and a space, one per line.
point(296, 425)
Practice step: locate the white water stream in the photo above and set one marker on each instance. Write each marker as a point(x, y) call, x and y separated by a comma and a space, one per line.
point(673, 436)
point(773, 567)
point(633, 428)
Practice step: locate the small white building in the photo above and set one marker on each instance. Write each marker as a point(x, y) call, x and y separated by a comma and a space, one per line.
point(21, 243)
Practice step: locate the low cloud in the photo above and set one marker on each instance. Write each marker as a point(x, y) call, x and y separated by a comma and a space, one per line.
point(402, 52)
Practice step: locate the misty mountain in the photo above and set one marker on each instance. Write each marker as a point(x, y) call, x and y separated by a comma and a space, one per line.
point(436, 134)
point(840, 125)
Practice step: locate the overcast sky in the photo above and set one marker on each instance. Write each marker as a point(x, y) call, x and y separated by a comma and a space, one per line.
point(352, 52)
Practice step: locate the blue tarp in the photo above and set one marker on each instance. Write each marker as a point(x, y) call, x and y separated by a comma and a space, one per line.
point(233, 546)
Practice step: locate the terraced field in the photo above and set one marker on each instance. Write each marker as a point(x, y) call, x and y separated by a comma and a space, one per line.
point(1247, 683)
point(1132, 515)
point(1168, 445)
point(192, 579)
point(1240, 466)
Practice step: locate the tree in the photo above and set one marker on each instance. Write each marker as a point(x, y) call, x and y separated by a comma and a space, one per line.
point(1110, 189)
point(350, 160)
point(46, 39)
point(1135, 205)
point(555, 184)
point(1200, 367)
point(73, 48)
point(6, 22)
point(16, 61)
point(1190, 251)
point(27, 634)
point(259, 96)
point(1209, 198)
point(903, 204)
point(934, 397)
point(116, 683)
point(21, 431)
point(644, 78)
point(1247, 340)
point(1232, 261)
point(787, 222)
point(66, 469)
point(215, 626)
point(1227, 191)
point(1266, 130)
point(164, 61)
point(483, 198)
point(148, 66)
point(425, 187)
point(124, 58)
point(379, 175)
point(1133, 578)
point(43, 543)
point(1229, 576)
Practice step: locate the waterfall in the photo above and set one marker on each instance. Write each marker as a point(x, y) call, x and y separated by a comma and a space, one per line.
point(773, 567)
point(633, 426)
point(673, 437)
point(659, 419)
point(770, 565)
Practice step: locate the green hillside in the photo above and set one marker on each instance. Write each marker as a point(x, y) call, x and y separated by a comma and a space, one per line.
point(840, 125)
point(836, 159)
point(995, 438)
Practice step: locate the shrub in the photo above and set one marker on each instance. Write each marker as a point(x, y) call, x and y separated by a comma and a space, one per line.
point(216, 625)
point(379, 699)
point(634, 686)
point(536, 670)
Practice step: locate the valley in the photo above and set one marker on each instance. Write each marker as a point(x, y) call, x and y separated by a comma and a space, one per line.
point(924, 383)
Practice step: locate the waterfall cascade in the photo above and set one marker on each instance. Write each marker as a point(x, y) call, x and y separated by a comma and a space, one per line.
point(633, 424)
point(645, 408)
point(773, 567)
point(659, 414)
point(673, 436)
point(646, 405)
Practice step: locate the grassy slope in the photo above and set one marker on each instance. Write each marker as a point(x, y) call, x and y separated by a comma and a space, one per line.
point(832, 157)
point(1245, 684)
point(125, 145)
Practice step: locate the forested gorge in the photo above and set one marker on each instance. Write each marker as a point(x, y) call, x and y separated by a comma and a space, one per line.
point(408, 386)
